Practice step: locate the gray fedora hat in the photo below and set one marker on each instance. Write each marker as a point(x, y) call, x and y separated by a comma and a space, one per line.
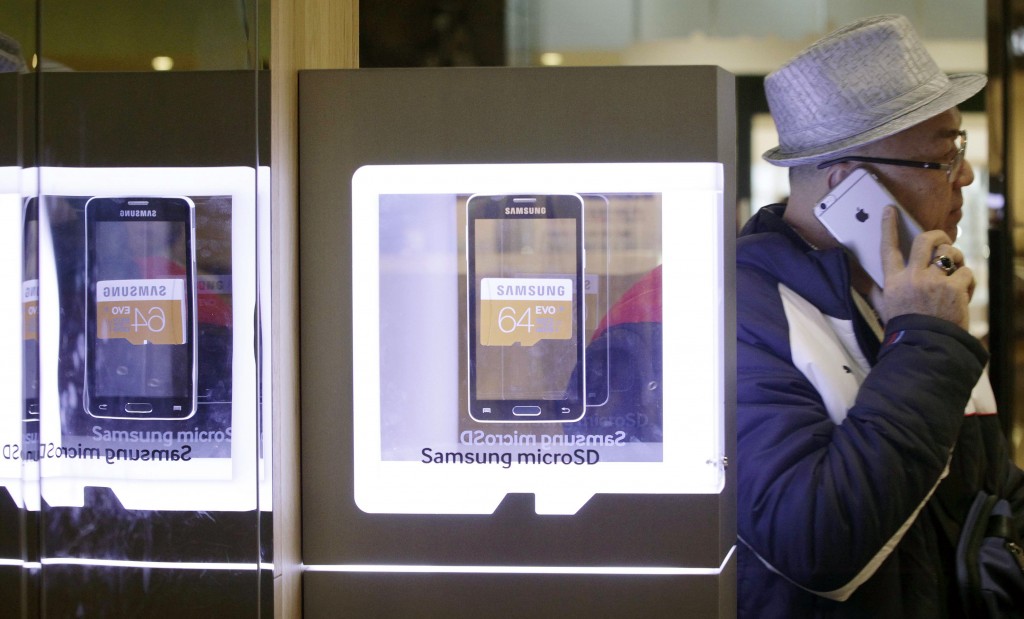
point(862, 83)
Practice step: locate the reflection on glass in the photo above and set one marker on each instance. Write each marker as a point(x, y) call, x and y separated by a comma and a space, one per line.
point(148, 35)
point(140, 320)
point(127, 527)
point(19, 504)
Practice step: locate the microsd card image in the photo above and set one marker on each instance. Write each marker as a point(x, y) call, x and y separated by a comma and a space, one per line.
point(142, 311)
point(30, 309)
point(524, 310)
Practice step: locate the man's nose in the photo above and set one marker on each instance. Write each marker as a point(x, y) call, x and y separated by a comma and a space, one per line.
point(965, 176)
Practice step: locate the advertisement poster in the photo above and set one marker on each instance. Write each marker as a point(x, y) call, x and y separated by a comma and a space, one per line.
point(139, 297)
point(545, 329)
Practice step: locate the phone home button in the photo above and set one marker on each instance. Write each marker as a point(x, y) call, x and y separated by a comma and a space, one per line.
point(138, 407)
point(526, 411)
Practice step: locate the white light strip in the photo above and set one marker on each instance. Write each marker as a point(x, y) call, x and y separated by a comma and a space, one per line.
point(503, 569)
point(19, 563)
point(160, 565)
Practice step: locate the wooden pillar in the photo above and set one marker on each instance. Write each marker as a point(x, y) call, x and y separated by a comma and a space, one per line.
point(305, 34)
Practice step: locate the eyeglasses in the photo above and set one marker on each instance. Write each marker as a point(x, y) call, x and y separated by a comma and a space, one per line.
point(952, 168)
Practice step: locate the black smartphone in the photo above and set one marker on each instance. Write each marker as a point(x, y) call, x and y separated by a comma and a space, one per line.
point(140, 308)
point(525, 283)
point(30, 310)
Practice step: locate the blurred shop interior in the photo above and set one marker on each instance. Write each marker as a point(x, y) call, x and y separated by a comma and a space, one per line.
point(748, 39)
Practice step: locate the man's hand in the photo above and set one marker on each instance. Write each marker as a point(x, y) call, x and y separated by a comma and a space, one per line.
point(917, 285)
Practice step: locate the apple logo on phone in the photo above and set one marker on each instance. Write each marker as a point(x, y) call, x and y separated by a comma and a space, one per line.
point(861, 215)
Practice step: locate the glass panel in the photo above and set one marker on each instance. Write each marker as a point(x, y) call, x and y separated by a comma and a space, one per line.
point(149, 490)
point(186, 35)
point(19, 502)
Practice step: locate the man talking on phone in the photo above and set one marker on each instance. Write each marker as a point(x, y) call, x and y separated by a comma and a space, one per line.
point(866, 424)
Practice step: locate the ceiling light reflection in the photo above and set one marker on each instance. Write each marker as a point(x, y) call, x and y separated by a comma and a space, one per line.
point(551, 59)
point(163, 63)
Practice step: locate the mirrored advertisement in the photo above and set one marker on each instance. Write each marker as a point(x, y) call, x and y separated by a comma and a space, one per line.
point(138, 333)
point(545, 329)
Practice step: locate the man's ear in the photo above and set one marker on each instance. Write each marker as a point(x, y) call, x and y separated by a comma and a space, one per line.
point(838, 172)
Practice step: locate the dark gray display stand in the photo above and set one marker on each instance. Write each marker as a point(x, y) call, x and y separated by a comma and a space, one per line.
point(423, 116)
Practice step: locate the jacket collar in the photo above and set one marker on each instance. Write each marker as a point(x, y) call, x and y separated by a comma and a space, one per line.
point(822, 276)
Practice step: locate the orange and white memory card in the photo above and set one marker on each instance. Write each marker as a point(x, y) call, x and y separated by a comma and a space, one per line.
point(30, 309)
point(523, 311)
point(142, 311)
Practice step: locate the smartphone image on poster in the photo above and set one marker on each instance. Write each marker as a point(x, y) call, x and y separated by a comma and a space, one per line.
point(30, 311)
point(140, 308)
point(852, 213)
point(525, 306)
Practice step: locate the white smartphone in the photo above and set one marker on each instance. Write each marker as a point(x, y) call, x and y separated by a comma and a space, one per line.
point(852, 213)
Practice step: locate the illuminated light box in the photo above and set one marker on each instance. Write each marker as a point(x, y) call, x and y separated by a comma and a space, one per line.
point(553, 329)
point(207, 459)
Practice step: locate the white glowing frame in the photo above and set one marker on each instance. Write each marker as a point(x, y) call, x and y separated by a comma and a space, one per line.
point(207, 484)
point(14, 183)
point(693, 305)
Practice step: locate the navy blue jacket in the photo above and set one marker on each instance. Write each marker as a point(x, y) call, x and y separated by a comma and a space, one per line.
point(859, 452)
